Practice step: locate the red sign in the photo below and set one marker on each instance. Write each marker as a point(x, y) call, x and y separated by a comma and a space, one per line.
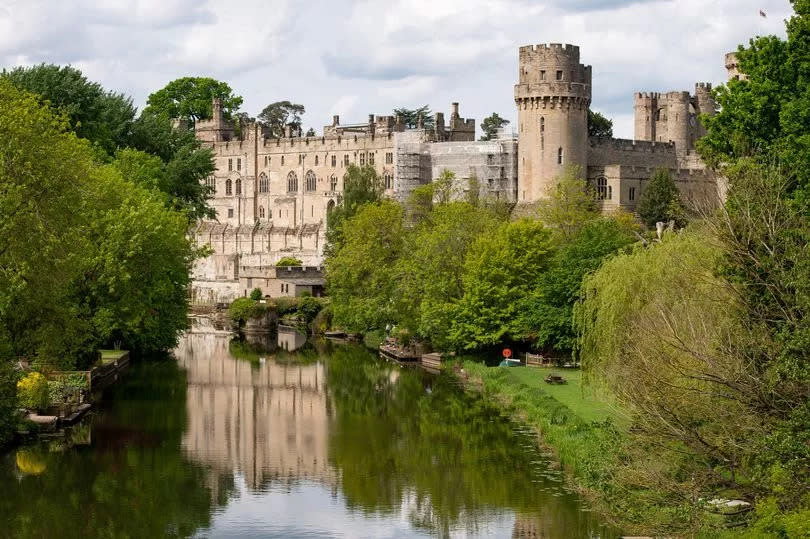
point(507, 353)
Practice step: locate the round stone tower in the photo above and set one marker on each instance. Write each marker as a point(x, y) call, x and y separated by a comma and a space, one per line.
point(552, 97)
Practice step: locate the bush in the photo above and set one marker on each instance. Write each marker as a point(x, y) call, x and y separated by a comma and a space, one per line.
point(243, 309)
point(287, 305)
point(256, 294)
point(32, 391)
point(309, 308)
point(289, 261)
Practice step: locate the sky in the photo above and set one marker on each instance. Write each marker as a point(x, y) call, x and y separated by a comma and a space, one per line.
point(361, 57)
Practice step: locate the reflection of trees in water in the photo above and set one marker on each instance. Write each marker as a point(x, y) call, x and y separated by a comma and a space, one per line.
point(135, 481)
point(448, 458)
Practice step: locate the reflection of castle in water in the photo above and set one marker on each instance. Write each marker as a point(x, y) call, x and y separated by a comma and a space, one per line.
point(267, 422)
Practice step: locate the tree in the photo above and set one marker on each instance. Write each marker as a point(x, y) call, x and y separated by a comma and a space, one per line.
point(491, 124)
point(310, 132)
point(570, 203)
point(360, 273)
point(501, 268)
point(545, 314)
point(277, 116)
point(361, 185)
point(661, 201)
point(412, 117)
point(599, 126)
point(192, 98)
point(102, 117)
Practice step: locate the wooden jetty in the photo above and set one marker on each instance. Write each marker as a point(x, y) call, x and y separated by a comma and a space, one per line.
point(431, 362)
point(391, 350)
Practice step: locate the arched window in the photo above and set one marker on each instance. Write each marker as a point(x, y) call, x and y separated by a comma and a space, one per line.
point(228, 187)
point(316, 160)
point(211, 183)
point(239, 186)
point(542, 124)
point(292, 182)
point(261, 212)
point(333, 182)
point(330, 206)
point(560, 156)
point(282, 160)
point(389, 180)
point(602, 188)
point(264, 184)
point(311, 181)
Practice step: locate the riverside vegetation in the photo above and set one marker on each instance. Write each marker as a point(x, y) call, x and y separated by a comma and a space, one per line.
point(699, 337)
point(93, 248)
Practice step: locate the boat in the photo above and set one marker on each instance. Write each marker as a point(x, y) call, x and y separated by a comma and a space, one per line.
point(394, 352)
point(510, 362)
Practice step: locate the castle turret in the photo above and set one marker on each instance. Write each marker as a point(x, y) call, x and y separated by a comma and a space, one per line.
point(645, 105)
point(680, 119)
point(705, 105)
point(733, 67)
point(552, 96)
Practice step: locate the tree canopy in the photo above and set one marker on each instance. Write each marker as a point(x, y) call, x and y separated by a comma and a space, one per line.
point(411, 117)
point(277, 116)
point(661, 201)
point(599, 126)
point(361, 185)
point(192, 98)
point(491, 124)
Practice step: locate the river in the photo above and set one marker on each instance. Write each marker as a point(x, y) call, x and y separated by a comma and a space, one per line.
point(299, 440)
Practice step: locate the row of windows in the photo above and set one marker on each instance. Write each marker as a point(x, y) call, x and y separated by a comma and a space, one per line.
point(263, 214)
point(364, 156)
point(238, 164)
point(605, 191)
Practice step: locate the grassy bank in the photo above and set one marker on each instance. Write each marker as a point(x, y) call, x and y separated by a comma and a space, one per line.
point(588, 433)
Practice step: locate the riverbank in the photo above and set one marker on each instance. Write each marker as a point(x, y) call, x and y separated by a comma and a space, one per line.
point(589, 435)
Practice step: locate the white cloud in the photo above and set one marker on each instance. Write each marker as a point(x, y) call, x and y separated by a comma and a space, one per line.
point(358, 57)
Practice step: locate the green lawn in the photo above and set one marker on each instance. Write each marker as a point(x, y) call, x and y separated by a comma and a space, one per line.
point(584, 402)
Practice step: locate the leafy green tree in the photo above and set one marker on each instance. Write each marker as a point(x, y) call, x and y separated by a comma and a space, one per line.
point(430, 270)
point(256, 294)
point(599, 126)
point(277, 116)
point(361, 185)
point(491, 124)
point(8, 401)
point(412, 117)
point(101, 117)
point(661, 201)
point(186, 163)
point(570, 203)
point(289, 261)
point(360, 273)
point(545, 314)
point(501, 268)
point(192, 98)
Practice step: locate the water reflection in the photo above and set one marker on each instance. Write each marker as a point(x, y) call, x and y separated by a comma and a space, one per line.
point(248, 439)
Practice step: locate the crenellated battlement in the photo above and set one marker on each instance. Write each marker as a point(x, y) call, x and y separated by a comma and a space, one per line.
point(628, 145)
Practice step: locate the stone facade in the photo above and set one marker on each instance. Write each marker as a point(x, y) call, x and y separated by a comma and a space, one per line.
point(272, 195)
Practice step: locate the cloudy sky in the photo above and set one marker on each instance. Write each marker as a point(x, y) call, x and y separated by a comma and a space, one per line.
point(358, 57)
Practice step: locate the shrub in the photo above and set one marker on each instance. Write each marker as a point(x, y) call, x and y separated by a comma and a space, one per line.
point(32, 391)
point(289, 261)
point(243, 309)
point(287, 305)
point(309, 308)
point(256, 294)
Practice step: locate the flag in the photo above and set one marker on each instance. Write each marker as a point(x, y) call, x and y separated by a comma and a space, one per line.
point(762, 14)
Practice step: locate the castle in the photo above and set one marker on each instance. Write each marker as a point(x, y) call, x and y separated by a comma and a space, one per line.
point(272, 195)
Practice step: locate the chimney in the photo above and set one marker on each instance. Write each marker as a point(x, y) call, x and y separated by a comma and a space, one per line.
point(335, 120)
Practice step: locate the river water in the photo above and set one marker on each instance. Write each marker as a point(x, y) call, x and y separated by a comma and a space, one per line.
point(287, 439)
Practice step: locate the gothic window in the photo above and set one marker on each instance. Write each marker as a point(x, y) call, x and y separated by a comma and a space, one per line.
point(316, 160)
point(330, 206)
point(228, 187)
point(311, 181)
point(238, 186)
point(389, 180)
point(211, 183)
point(334, 161)
point(282, 160)
point(264, 185)
point(346, 160)
point(292, 182)
point(261, 212)
point(602, 188)
point(362, 158)
point(389, 158)
point(370, 158)
point(542, 124)
point(560, 156)
point(333, 182)
point(239, 164)
point(230, 165)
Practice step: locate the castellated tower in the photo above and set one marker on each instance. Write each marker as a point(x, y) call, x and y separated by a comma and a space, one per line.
point(552, 97)
point(673, 116)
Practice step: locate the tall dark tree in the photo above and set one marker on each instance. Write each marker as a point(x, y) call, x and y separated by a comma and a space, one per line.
point(102, 117)
point(277, 116)
point(599, 126)
point(661, 200)
point(411, 117)
point(192, 98)
point(491, 124)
